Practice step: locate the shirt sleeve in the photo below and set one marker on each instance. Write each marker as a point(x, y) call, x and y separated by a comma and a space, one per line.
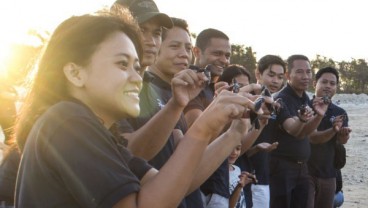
point(283, 114)
point(196, 103)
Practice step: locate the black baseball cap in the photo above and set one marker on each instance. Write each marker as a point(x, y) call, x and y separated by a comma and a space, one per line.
point(144, 10)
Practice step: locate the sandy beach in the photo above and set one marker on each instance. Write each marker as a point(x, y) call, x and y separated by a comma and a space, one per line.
point(355, 173)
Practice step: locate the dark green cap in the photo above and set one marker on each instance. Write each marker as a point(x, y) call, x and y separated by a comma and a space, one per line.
point(144, 10)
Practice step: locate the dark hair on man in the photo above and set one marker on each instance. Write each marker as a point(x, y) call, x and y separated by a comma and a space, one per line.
point(327, 70)
point(205, 36)
point(268, 60)
point(177, 22)
point(291, 59)
point(232, 71)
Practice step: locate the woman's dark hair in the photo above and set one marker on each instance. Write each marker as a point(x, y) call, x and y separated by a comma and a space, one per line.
point(74, 40)
point(232, 71)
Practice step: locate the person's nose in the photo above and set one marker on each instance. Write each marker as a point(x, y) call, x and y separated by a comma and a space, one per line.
point(307, 75)
point(136, 77)
point(149, 40)
point(224, 60)
point(183, 53)
point(275, 80)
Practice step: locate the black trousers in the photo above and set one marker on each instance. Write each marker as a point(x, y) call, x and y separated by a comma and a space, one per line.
point(288, 183)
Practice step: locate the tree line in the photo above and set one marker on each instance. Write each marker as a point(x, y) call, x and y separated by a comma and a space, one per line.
point(353, 74)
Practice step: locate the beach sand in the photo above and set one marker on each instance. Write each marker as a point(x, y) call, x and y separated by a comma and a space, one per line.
point(355, 172)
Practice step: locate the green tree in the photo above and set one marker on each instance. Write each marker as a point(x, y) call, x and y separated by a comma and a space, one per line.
point(346, 77)
point(361, 75)
point(318, 63)
point(322, 62)
point(244, 56)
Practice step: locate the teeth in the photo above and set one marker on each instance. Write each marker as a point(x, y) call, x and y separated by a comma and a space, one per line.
point(131, 93)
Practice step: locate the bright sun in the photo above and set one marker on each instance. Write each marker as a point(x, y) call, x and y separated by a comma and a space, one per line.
point(4, 52)
point(19, 17)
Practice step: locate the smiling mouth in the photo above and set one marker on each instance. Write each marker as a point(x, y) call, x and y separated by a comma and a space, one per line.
point(219, 67)
point(150, 52)
point(132, 93)
point(182, 64)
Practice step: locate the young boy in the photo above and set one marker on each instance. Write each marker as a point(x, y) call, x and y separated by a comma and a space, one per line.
point(237, 180)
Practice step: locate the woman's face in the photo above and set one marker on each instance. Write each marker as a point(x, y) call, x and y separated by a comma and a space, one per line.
point(242, 80)
point(113, 79)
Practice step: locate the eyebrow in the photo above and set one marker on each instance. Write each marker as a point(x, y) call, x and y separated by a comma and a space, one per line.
point(180, 42)
point(275, 72)
point(127, 56)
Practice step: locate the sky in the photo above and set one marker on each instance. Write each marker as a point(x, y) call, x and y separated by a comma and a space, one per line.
point(335, 29)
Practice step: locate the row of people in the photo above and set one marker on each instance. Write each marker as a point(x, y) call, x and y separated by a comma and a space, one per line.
point(181, 129)
point(87, 102)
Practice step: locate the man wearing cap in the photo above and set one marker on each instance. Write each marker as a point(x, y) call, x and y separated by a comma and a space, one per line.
point(151, 21)
point(154, 129)
point(148, 136)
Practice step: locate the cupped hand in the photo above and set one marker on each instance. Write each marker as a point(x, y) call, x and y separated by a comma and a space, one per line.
point(186, 85)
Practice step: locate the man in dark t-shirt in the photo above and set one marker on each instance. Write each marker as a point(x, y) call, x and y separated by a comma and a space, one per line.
point(212, 47)
point(333, 129)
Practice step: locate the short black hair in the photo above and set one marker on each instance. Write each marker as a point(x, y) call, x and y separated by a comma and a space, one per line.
point(177, 22)
point(327, 70)
point(268, 60)
point(205, 36)
point(292, 58)
point(232, 71)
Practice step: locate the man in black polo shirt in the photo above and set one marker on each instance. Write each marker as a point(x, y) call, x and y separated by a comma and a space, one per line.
point(270, 72)
point(288, 168)
point(332, 129)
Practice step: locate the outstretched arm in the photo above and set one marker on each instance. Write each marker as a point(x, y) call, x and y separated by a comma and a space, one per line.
point(148, 140)
point(264, 147)
point(307, 122)
point(319, 137)
point(170, 185)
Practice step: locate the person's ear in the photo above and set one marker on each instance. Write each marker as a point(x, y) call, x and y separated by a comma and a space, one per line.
point(258, 75)
point(196, 52)
point(287, 75)
point(75, 74)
